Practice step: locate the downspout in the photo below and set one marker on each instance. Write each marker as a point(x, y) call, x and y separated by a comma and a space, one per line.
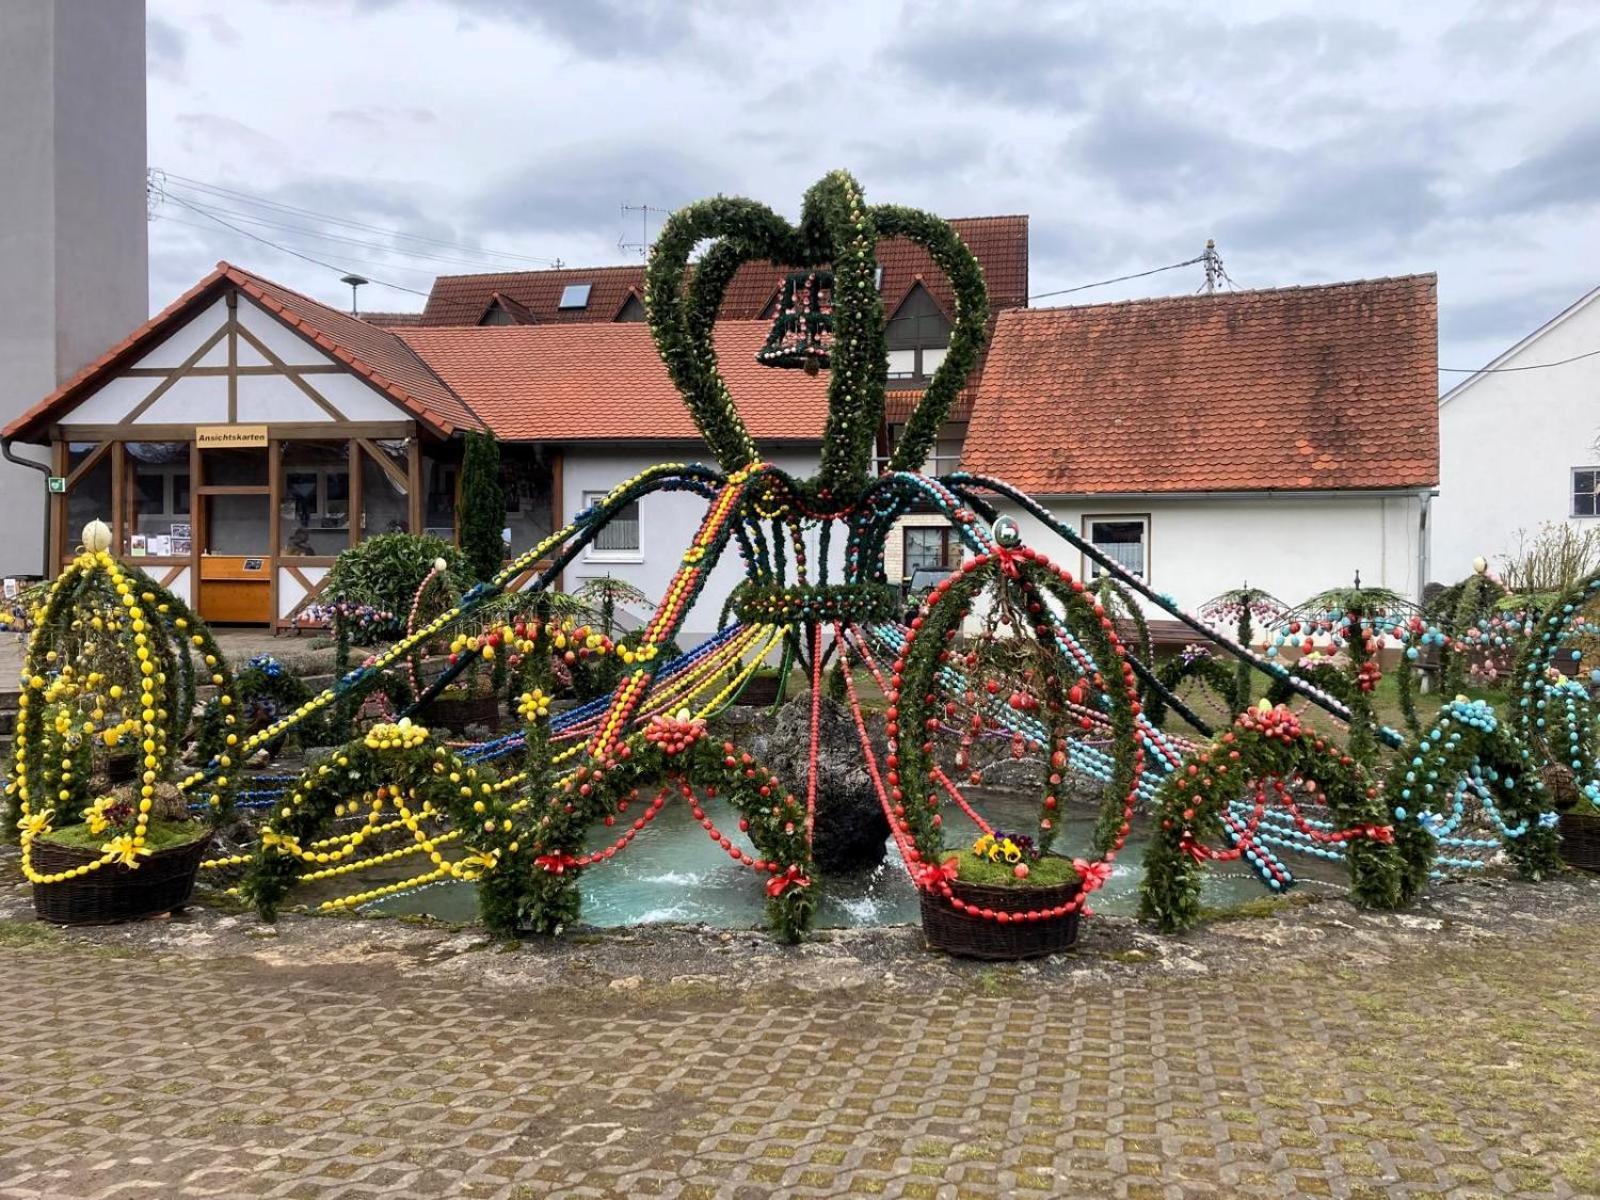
point(1423, 564)
point(9, 456)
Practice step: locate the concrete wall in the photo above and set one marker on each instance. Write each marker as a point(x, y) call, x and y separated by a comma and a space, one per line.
point(73, 258)
point(667, 525)
point(1509, 442)
point(1293, 547)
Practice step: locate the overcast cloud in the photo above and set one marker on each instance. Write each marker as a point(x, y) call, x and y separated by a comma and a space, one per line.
point(1381, 140)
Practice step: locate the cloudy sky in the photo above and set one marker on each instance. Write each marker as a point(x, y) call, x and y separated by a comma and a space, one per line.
point(1315, 142)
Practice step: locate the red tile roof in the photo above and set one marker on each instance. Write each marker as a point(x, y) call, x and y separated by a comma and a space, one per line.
point(562, 383)
point(1292, 388)
point(371, 352)
point(1000, 244)
point(392, 320)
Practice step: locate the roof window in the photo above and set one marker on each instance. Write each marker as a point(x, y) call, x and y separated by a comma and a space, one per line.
point(575, 295)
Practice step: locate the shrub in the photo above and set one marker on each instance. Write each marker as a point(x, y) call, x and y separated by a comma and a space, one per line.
point(483, 507)
point(383, 573)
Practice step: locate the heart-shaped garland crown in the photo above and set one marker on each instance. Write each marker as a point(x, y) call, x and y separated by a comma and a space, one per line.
point(837, 229)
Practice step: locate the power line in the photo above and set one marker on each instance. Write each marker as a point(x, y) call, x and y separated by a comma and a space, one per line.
point(255, 237)
point(1560, 362)
point(1082, 287)
point(236, 196)
point(318, 235)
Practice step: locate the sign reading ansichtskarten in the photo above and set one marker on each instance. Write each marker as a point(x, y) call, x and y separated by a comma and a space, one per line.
point(226, 437)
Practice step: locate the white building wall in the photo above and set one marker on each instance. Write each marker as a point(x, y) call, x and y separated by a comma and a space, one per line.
point(1292, 547)
point(73, 254)
point(1508, 443)
point(667, 525)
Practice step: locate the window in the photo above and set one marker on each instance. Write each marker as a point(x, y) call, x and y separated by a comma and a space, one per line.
point(575, 295)
point(1123, 539)
point(1586, 492)
point(929, 546)
point(946, 455)
point(918, 335)
point(621, 534)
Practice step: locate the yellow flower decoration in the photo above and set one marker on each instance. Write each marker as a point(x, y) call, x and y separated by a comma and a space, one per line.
point(35, 824)
point(125, 850)
point(534, 705)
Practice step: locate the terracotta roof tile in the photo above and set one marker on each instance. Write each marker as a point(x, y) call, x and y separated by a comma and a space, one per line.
point(1293, 388)
point(605, 381)
point(392, 320)
point(1000, 244)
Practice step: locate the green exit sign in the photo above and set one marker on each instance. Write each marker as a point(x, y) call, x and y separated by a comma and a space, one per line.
point(58, 484)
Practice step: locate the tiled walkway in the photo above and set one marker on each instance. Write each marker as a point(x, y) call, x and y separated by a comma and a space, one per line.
point(1452, 1057)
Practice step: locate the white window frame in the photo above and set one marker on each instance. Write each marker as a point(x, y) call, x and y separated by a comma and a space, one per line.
point(594, 555)
point(1572, 495)
point(1091, 570)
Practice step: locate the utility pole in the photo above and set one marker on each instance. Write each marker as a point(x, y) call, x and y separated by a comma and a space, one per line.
point(1213, 263)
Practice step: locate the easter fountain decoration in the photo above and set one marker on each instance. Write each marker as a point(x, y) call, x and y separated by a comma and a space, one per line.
point(1011, 656)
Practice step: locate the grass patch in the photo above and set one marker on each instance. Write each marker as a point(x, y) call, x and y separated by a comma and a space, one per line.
point(1047, 872)
point(159, 835)
point(1259, 909)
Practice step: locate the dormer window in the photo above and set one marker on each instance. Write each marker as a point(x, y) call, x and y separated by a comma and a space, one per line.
point(918, 336)
point(575, 295)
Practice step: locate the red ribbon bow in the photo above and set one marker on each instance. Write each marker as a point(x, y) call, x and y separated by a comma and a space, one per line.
point(556, 864)
point(778, 884)
point(930, 875)
point(1094, 875)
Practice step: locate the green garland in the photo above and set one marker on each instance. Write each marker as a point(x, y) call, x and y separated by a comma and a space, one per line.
point(1212, 673)
point(920, 692)
point(1477, 599)
point(1465, 734)
point(404, 758)
point(1259, 747)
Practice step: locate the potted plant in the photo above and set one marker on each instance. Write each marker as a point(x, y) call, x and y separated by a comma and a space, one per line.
point(113, 663)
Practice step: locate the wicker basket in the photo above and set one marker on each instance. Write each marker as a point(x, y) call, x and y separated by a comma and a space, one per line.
point(968, 936)
point(455, 713)
point(1580, 840)
point(159, 884)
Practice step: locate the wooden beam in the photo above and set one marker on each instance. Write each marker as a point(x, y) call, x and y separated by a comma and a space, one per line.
point(289, 373)
point(557, 504)
point(88, 464)
point(178, 373)
point(58, 512)
point(303, 431)
point(275, 515)
point(357, 516)
point(218, 372)
point(233, 355)
point(414, 493)
point(233, 489)
point(197, 526)
point(390, 468)
point(119, 498)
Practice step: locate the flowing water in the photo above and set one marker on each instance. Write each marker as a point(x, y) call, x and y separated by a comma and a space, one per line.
point(673, 872)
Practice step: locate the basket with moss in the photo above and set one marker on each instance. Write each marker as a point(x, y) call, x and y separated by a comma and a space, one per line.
point(108, 831)
point(1003, 873)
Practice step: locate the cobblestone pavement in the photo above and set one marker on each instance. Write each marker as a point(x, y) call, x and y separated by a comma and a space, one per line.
point(1314, 1052)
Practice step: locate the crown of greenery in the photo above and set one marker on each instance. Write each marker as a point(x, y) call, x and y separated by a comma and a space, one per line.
point(836, 227)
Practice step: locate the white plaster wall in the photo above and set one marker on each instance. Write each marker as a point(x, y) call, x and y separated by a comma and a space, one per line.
point(667, 525)
point(73, 242)
point(1292, 547)
point(1508, 443)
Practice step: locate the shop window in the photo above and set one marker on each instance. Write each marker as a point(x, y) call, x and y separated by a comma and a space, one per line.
point(159, 522)
point(385, 506)
point(314, 505)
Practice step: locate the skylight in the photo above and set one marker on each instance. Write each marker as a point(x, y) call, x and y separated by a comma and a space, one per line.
point(575, 295)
